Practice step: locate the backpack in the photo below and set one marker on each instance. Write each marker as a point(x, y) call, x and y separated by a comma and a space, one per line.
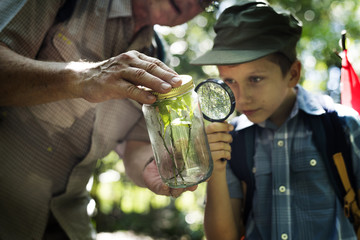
point(331, 141)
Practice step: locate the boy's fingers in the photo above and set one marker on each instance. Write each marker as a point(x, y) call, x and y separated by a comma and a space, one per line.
point(220, 146)
point(218, 127)
point(220, 137)
point(222, 154)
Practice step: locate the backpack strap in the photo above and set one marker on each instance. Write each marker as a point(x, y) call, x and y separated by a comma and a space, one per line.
point(341, 156)
point(334, 145)
point(324, 140)
point(242, 162)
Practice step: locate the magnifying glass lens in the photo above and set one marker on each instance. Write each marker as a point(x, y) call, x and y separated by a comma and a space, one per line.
point(217, 101)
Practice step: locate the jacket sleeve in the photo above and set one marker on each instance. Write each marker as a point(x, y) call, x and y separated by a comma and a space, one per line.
point(24, 23)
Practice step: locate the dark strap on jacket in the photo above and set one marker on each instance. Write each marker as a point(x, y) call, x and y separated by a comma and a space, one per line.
point(330, 138)
point(242, 152)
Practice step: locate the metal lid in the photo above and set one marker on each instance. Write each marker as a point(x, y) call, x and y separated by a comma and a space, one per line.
point(187, 84)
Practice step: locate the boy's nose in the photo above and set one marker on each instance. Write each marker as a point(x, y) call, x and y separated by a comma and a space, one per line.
point(242, 95)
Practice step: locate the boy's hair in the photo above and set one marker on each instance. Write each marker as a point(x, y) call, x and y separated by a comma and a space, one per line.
point(252, 30)
point(281, 60)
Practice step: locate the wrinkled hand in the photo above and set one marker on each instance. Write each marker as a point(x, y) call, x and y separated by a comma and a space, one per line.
point(219, 141)
point(120, 76)
point(153, 181)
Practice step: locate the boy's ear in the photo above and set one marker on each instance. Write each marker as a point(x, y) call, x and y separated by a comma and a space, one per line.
point(294, 73)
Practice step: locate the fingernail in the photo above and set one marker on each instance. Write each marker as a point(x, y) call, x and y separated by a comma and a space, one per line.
point(151, 97)
point(165, 86)
point(175, 80)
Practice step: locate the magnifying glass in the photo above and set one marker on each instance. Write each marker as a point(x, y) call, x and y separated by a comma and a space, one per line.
point(217, 101)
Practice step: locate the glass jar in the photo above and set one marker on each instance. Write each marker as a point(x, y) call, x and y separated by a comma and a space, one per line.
point(177, 134)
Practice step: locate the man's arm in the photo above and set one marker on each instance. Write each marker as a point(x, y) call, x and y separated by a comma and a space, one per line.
point(25, 81)
point(136, 156)
point(142, 169)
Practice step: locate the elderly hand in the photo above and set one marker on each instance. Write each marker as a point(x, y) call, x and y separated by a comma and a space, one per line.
point(153, 181)
point(26, 81)
point(120, 76)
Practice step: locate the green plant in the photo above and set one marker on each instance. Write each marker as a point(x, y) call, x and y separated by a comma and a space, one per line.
point(175, 119)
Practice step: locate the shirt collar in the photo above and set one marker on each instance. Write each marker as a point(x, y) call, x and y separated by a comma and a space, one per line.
point(310, 103)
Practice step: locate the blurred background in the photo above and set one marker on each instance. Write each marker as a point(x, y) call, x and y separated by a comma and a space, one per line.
point(120, 210)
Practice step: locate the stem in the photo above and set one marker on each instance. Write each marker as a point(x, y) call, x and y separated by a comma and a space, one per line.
point(188, 146)
point(176, 171)
point(167, 149)
point(172, 143)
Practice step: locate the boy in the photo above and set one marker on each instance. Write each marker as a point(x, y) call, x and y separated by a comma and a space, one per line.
point(254, 50)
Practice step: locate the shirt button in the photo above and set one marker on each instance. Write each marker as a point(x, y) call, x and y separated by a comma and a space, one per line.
point(284, 236)
point(313, 162)
point(282, 189)
point(280, 143)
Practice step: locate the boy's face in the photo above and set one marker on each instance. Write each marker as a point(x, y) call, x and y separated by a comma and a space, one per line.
point(261, 91)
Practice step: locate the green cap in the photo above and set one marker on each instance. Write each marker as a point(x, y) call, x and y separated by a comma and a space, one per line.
point(249, 31)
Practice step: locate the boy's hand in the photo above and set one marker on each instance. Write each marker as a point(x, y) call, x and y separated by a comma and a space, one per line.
point(219, 141)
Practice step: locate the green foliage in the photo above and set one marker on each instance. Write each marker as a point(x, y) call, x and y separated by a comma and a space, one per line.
point(323, 23)
point(123, 206)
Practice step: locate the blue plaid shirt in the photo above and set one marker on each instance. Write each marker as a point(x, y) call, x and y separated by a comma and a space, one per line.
point(294, 198)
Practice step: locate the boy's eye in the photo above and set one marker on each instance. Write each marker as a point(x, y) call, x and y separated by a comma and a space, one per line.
point(255, 79)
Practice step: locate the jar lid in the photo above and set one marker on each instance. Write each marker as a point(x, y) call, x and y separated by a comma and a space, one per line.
point(187, 84)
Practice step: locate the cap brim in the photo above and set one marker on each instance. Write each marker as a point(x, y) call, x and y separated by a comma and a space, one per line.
point(229, 57)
